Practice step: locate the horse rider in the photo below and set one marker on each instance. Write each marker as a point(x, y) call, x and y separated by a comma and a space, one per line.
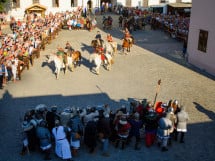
point(127, 35)
point(109, 38)
point(98, 37)
point(101, 53)
point(110, 20)
point(62, 54)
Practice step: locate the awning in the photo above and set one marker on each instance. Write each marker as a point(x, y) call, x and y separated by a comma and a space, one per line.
point(180, 5)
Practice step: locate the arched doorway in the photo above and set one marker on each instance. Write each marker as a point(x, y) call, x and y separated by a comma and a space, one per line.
point(106, 5)
point(89, 5)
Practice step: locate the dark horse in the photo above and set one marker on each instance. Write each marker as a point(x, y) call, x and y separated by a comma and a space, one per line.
point(97, 43)
point(127, 44)
point(107, 24)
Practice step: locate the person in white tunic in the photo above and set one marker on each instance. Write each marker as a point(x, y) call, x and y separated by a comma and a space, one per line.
point(62, 147)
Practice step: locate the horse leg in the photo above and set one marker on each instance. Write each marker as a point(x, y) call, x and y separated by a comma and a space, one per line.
point(64, 70)
point(57, 74)
point(97, 70)
point(72, 67)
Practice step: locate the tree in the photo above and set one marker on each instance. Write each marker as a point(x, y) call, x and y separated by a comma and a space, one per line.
point(2, 2)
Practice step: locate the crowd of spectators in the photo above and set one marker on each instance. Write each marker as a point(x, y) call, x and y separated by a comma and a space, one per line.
point(19, 48)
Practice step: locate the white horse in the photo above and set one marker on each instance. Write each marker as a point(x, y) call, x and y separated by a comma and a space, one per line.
point(96, 58)
point(111, 48)
point(59, 64)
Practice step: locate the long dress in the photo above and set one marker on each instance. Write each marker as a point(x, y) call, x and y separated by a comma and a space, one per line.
point(62, 147)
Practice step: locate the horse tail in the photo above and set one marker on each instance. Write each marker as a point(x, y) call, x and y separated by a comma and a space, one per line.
point(80, 56)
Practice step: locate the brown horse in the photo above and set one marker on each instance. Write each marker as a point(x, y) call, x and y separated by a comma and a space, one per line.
point(97, 43)
point(73, 59)
point(127, 44)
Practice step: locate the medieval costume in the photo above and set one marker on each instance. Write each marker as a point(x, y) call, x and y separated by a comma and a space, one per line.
point(62, 148)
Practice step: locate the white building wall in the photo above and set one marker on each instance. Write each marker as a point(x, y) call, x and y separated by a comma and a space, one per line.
point(202, 20)
point(64, 5)
point(153, 2)
point(121, 2)
point(186, 1)
point(136, 3)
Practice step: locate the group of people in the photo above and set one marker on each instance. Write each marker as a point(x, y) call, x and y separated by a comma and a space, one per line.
point(67, 130)
point(176, 25)
point(76, 20)
point(28, 37)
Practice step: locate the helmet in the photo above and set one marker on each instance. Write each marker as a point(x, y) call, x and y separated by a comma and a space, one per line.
point(175, 102)
point(136, 115)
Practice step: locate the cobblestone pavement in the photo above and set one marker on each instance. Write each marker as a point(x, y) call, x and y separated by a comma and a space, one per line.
point(133, 77)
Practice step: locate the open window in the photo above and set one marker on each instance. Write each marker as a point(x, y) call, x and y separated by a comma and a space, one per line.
point(16, 4)
point(55, 3)
point(203, 39)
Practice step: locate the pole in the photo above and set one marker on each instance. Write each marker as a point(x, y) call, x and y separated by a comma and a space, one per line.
point(157, 91)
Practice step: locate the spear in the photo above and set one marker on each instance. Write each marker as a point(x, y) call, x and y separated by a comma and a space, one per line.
point(157, 90)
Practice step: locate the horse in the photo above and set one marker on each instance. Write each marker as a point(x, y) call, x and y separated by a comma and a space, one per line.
point(107, 24)
point(111, 48)
point(127, 44)
point(96, 58)
point(73, 59)
point(59, 63)
point(97, 43)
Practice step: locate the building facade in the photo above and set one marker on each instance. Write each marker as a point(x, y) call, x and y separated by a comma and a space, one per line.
point(202, 36)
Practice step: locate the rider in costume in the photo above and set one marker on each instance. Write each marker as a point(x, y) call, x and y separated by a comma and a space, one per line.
point(127, 35)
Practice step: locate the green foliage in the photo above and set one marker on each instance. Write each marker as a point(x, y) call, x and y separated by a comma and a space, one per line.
point(2, 4)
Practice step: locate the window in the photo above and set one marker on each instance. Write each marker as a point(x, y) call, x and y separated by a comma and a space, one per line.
point(72, 3)
point(16, 4)
point(55, 3)
point(128, 3)
point(164, 1)
point(203, 39)
point(36, 1)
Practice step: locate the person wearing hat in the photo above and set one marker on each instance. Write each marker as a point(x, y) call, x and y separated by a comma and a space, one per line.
point(122, 128)
point(62, 147)
point(163, 132)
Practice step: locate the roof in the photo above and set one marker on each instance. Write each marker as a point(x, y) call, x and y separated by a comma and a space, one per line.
point(36, 6)
point(180, 5)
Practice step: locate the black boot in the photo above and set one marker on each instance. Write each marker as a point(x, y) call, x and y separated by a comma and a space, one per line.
point(182, 137)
